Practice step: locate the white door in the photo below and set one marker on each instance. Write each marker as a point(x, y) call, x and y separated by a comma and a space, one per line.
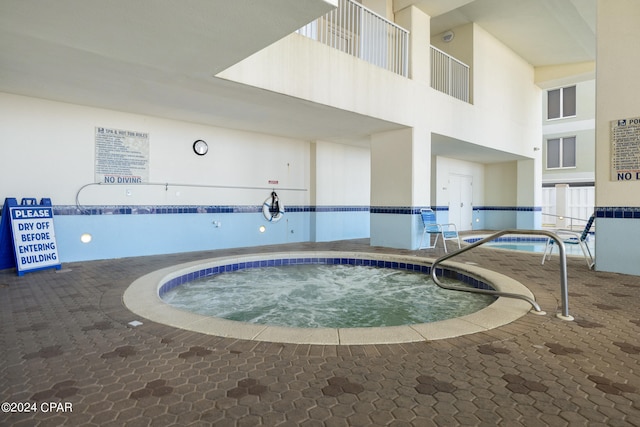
point(461, 201)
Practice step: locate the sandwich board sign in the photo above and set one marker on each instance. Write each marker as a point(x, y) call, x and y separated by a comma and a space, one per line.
point(27, 231)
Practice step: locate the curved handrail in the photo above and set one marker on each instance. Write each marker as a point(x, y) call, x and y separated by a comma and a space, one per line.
point(563, 271)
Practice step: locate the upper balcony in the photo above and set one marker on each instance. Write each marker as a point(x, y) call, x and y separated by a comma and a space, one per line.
point(358, 31)
point(449, 75)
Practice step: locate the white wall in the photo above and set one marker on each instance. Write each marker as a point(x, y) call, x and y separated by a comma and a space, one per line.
point(383, 8)
point(419, 26)
point(392, 168)
point(343, 174)
point(55, 143)
point(507, 100)
point(501, 184)
point(48, 150)
point(307, 69)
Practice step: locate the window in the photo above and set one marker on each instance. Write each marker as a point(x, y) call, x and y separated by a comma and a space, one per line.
point(561, 103)
point(561, 153)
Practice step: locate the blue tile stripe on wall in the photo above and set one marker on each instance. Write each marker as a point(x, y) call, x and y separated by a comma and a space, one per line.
point(509, 208)
point(227, 268)
point(618, 212)
point(396, 210)
point(187, 209)
point(415, 210)
point(218, 209)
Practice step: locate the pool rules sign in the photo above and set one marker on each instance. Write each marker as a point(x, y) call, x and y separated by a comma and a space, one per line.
point(625, 149)
point(33, 235)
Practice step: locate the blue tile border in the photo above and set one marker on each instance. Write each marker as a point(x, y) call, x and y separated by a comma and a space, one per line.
point(510, 239)
point(339, 208)
point(225, 268)
point(415, 210)
point(397, 210)
point(509, 208)
point(189, 209)
point(218, 209)
point(618, 212)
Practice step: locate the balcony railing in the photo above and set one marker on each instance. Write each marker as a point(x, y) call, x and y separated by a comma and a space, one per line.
point(449, 75)
point(358, 31)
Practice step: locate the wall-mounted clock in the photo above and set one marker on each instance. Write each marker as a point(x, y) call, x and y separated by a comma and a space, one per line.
point(200, 147)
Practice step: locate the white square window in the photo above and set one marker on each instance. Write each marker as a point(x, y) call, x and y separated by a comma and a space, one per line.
point(561, 103)
point(561, 153)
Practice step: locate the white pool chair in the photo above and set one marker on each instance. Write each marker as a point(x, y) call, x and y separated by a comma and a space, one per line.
point(447, 231)
point(573, 238)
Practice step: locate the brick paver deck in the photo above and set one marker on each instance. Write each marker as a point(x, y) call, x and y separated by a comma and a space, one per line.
point(68, 353)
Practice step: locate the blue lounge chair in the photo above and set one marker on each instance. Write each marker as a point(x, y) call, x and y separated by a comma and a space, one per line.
point(573, 238)
point(447, 231)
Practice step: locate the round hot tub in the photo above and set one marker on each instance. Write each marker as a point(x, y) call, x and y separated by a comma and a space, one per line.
point(323, 298)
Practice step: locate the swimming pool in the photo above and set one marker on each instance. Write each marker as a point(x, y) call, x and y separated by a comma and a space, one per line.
point(142, 297)
point(530, 244)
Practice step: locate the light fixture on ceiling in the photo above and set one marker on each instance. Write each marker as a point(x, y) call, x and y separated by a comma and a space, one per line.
point(447, 36)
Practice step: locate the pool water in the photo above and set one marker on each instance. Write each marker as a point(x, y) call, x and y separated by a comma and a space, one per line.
point(327, 296)
point(527, 247)
point(539, 246)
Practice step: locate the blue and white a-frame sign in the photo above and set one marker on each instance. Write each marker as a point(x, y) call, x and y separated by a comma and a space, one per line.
point(27, 236)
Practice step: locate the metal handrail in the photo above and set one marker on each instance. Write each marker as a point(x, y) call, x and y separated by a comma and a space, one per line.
point(563, 271)
point(449, 75)
point(570, 218)
point(564, 216)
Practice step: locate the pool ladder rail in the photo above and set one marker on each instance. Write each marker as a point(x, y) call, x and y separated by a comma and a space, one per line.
point(564, 291)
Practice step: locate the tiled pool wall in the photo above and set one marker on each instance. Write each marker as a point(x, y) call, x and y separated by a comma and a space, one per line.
point(509, 239)
point(238, 265)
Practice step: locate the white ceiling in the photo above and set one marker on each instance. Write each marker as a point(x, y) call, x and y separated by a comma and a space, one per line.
point(159, 57)
point(544, 32)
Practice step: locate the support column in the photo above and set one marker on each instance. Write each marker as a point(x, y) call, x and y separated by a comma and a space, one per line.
point(562, 205)
point(401, 160)
point(617, 87)
point(529, 195)
point(400, 186)
point(419, 25)
point(340, 187)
